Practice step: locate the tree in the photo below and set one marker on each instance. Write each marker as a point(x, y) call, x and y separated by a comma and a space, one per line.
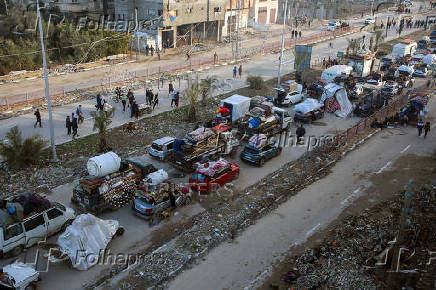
point(102, 121)
point(207, 86)
point(192, 94)
point(379, 37)
point(353, 45)
point(18, 152)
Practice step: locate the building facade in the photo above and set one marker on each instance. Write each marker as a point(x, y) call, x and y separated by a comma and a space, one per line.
point(265, 11)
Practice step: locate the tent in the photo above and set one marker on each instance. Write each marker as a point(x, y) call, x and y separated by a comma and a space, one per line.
point(328, 75)
point(238, 106)
point(340, 94)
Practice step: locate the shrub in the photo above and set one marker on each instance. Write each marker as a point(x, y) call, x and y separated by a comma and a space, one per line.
point(18, 152)
point(255, 82)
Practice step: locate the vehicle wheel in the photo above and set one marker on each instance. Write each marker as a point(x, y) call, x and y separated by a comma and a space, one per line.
point(236, 176)
point(31, 286)
point(65, 225)
point(262, 162)
point(120, 231)
point(16, 251)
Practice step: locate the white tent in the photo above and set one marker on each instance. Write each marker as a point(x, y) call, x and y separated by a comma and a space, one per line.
point(335, 91)
point(238, 106)
point(329, 74)
point(429, 59)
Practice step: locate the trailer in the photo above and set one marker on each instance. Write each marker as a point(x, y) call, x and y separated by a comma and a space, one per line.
point(187, 152)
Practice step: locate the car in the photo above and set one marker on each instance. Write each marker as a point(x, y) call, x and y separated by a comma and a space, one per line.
point(148, 203)
point(421, 72)
point(307, 117)
point(162, 147)
point(258, 156)
point(37, 227)
point(369, 20)
point(416, 59)
point(19, 276)
point(290, 98)
point(204, 181)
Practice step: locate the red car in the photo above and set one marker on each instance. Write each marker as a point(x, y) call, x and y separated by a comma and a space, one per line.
point(207, 178)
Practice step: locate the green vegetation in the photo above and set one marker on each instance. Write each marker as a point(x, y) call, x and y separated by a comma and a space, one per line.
point(20, 44)
point(207, 86)
point(255, 82)
point(18, 152)
point(102, 121)
point(192, 94)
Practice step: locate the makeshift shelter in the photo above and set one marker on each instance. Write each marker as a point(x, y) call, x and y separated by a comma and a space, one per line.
point(335, 100)
point(329, 74)
point(307, 106)
point(238, 106)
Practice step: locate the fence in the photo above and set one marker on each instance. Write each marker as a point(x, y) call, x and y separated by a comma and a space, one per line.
point(29, 98)
point(363, 125)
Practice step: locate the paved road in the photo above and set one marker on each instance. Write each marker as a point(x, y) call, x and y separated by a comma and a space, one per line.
point(245, 263)
point(264, 65)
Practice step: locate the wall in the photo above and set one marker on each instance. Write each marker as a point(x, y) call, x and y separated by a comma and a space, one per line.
point(267, 5)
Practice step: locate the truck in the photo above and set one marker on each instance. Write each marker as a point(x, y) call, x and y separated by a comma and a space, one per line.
point(265, 119)
point(202, 144)
point(259, 150)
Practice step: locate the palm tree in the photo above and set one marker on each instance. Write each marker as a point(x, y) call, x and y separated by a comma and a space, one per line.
point(379, 37)
point(353, 45)
point(102, 121)
point(192, 94)
point(18, 152)
point(207, 86)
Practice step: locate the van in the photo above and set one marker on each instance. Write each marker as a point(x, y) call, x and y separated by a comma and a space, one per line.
point(160, 148)
point(35, 228)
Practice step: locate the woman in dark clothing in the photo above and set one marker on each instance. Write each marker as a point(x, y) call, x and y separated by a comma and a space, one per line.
point(68, 125)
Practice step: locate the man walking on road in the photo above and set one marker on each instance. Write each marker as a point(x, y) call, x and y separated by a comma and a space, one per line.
point(79, 113)
point(99, 105)
point(235, 70)
point(420, 126)
point(68, 125)
point(426, 129)
point(156, 101)
point(240, 71)
point(300, 133)
point(173, 98)
point(38, 119)
point(176, 99)
point(131, 97)
point(124, 102)
point(74, 125)
point(300, 33)
point(170, 88)
point(215, 58)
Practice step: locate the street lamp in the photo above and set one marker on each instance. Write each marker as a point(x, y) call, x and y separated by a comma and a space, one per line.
point(54, 157)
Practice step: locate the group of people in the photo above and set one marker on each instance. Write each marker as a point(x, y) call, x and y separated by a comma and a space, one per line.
point(149, 49)
point(151, 99)
point(329, 62)
point(236, 71)
point(295, 33)
point(72, 123)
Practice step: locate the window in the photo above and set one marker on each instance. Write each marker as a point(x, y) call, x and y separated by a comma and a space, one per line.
point(34, 222)
point(13, 231)
point(217, 9)
point(53, 213)
point(170, 146)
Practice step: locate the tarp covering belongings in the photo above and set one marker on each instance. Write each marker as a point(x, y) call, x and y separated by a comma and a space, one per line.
point(238, 106)
point(86, 237)
point(429, 59)
point(211, 168)
point(340, 95)
point(103, 164)
point(18, 275)
point(404, 69)
point(420, 99)
point(307, 106)
point(328, 75)
point(254, 123)
point(200, 134)
point(258, 140)
point(31, 203)
point(156, 177)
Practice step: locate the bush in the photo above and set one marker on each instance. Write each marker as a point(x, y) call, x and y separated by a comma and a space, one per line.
point(255, 82)
point(18, 152)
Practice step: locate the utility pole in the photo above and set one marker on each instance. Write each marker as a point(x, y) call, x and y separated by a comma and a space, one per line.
point(231, 24)
point(283, 43)
point(387, 27)
point(137, 34)
point(372, 8)
point(54, 157)
point(238, 7)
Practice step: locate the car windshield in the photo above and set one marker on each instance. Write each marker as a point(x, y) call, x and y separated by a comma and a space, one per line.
point(199, 177)
point(250, 149)
point(156, 147)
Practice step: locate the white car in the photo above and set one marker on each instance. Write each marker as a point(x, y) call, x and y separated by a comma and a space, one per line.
point(291, 98)
point(19, 276)
point(369, 20)
point(35, 228)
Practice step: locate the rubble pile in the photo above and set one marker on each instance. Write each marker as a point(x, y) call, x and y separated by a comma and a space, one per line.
point(358, 253)
point(224, 221)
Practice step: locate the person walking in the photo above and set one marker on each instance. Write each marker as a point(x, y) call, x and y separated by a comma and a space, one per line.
point(300, 133)
point(124, 102)
point(173, 99)
point(177, 98)
point(132, 109)
point(38, 119)
point(299, 33)
point(420, 126)
point(74, 126)
point(147, 49)
point(170, 88)
point(292, 34)
point(68, 125)
point(240, 71)
point(131, 97)
point(99, 105)
point(215, 58)
point(426, 129)
point(152, 50)
point(79, 114)
point(235, 71)
point(136, 110)
point(156, 101)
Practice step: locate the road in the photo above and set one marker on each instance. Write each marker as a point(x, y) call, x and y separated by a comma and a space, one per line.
point(377, 169)
point(263, 65)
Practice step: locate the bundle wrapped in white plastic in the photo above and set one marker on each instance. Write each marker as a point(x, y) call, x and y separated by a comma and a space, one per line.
point(156, 177)
point(85, 239)
point(103, 164)
point(258, 140)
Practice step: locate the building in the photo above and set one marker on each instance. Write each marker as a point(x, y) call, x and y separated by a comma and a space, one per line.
point(234, 10)
point(265, 11)
point(175, 23)
point(84, 8)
